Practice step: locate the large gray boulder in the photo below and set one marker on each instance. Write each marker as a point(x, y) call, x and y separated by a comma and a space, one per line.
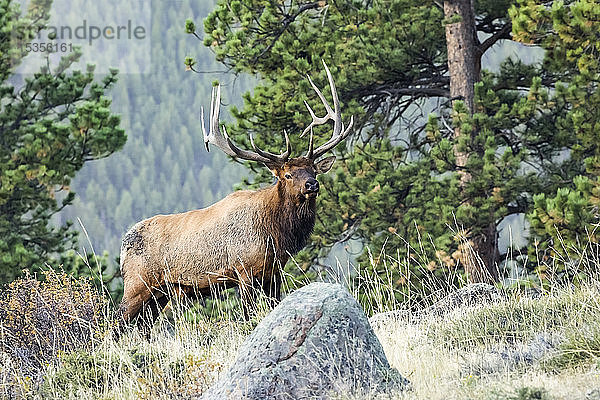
point(316, 343)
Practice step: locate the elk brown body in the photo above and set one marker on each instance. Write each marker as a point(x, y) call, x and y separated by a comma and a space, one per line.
point(243, 240)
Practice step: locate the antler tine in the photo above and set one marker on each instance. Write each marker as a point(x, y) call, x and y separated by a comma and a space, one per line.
point(339, 125)
point(309, 153)
point(214, 134)
point(317, 120)
point(339, 133)
point(220, 138)
point(207, 136)
point(283, 157)
point(288, 146)
point(334, 141)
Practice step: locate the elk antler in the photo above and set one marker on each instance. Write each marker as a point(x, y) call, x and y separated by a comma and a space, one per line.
point(221, 139)
point(339, 133)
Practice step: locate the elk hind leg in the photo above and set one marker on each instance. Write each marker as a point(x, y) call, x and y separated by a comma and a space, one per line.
point(180, 298)
point(135, 294)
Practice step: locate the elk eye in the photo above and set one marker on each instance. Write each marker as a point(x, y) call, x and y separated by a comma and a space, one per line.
point(288, 176)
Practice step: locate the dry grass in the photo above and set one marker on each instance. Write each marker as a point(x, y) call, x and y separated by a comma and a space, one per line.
point(441, 371)
point(457, 356)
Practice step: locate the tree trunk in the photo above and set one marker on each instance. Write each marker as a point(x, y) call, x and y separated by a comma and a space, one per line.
point(460, 42)
point(479, 253)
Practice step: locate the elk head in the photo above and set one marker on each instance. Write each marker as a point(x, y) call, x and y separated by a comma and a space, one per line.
point(296, 175)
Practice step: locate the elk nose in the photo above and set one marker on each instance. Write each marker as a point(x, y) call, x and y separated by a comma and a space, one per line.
point(312, 185)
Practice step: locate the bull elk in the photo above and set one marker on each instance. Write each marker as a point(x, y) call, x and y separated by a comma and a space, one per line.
point(243, 240)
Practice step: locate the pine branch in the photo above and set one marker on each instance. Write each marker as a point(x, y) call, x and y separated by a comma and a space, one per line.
point(502, 33)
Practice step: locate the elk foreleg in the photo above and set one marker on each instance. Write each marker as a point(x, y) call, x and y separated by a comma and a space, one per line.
point(151, 309)
point(141, 302)
point(248, 295)
point(272, 289)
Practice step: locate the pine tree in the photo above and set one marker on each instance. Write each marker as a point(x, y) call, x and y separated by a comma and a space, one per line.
point(565, 222)
point(50, 125)
point(426, 195)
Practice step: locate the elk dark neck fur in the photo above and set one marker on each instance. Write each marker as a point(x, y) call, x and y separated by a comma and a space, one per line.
point(289, 220)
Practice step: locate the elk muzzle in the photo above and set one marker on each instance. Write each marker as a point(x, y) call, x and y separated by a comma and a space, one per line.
point(311, 188)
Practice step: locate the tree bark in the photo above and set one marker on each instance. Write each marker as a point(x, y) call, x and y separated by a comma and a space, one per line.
point(460, 42)
point(479, 252)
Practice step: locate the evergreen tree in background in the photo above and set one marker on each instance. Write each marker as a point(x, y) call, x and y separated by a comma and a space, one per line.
point(50, 125)
point(566, 221)
point(426, 195)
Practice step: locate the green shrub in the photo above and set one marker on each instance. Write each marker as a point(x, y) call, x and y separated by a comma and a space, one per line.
point(528, 393)
point(78, 370)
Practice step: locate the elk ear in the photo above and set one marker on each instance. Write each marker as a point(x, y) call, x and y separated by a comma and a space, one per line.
point(324, 165)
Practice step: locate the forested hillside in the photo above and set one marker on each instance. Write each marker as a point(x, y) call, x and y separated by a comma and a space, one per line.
point(164, 167)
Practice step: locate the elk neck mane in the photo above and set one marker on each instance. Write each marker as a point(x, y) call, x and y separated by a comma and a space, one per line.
point(287, 220)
